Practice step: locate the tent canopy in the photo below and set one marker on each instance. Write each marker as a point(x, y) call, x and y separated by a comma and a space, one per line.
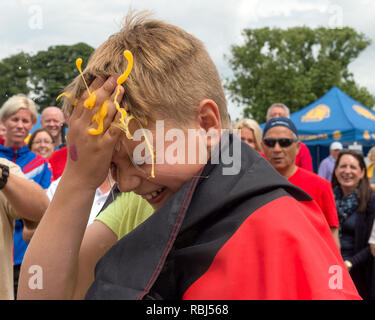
point(335, 117)
point(37, 124)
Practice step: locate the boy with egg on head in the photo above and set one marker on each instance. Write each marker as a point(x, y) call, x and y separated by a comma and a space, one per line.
point(216, 233)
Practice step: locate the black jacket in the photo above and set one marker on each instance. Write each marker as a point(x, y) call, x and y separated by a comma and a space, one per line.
point(363, 270)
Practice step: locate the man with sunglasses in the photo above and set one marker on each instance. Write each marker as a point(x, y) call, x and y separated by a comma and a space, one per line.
point(281, 146)
point(303, 157)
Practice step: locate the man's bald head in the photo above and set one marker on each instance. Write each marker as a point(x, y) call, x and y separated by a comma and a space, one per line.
point(53, 110)
point(52, 119)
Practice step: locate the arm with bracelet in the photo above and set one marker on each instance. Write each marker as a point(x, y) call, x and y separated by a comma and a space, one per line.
point(26, 196)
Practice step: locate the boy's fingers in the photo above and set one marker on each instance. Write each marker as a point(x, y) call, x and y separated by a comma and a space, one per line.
point(95, 85)
point(103, 93)
point(106, 90)
point(114, 133)
point(112, 110)
point(97, 114)
point(120, 95)
point(79, 108)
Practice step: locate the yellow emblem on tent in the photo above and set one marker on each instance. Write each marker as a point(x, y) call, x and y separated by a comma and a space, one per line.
point(336, 135)
point(366, 135)
point(364, 112)
point(317, 114)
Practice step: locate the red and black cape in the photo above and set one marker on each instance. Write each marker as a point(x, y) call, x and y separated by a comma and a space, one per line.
point(252, 235)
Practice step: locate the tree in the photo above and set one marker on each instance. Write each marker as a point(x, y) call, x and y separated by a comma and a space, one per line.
point(14, 73)
point(42, 76)
point(294, 66)
point(55, 68)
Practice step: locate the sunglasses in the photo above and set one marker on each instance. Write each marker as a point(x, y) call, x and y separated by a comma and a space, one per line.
point(283, 142)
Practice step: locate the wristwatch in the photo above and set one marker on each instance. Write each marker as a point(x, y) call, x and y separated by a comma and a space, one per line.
point(4, 175)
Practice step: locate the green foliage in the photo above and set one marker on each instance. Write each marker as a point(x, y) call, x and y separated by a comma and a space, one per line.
point(294, 66)
point(42, 76)
point(14, 73)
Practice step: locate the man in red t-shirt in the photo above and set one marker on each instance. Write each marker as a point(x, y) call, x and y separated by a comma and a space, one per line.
point(281, 145)
point(57, 162)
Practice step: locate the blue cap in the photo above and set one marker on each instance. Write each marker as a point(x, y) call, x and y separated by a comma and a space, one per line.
point(280, 122)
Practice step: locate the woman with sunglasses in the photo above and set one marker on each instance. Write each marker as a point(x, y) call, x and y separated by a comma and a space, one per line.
point(356, 210)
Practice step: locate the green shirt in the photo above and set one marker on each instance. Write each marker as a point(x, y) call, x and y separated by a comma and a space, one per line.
point(125, 213)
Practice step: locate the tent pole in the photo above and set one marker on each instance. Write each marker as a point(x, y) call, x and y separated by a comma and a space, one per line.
point(318, 156)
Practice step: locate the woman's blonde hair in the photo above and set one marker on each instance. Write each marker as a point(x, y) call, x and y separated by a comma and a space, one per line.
point(171, 75)
point(370, 154)
point(15, 103)
point(252, 125)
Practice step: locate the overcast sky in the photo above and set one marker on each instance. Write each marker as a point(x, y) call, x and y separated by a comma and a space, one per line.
point(34, 25)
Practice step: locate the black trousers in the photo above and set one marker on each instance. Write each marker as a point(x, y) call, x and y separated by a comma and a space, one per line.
point(16, 275)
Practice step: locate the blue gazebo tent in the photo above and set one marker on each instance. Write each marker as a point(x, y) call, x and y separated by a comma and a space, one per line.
point(334, 117)
point(37, 125)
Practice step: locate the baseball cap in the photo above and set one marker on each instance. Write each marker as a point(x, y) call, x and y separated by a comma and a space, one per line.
point(277, 122)
point(336, 146)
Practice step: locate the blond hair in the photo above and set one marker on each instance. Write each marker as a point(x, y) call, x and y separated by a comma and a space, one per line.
point(17, 102)
point(370, 154)
point(172, 71)
point(252, 125)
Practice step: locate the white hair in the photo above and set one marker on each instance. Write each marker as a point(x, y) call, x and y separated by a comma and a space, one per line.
point(16, 103)
point(278, 105)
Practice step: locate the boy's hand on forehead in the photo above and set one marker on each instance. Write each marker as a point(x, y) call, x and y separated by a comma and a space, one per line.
point(89, 156)
point(102, 89)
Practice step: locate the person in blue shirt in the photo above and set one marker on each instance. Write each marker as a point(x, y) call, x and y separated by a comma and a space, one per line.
point(327, 165)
